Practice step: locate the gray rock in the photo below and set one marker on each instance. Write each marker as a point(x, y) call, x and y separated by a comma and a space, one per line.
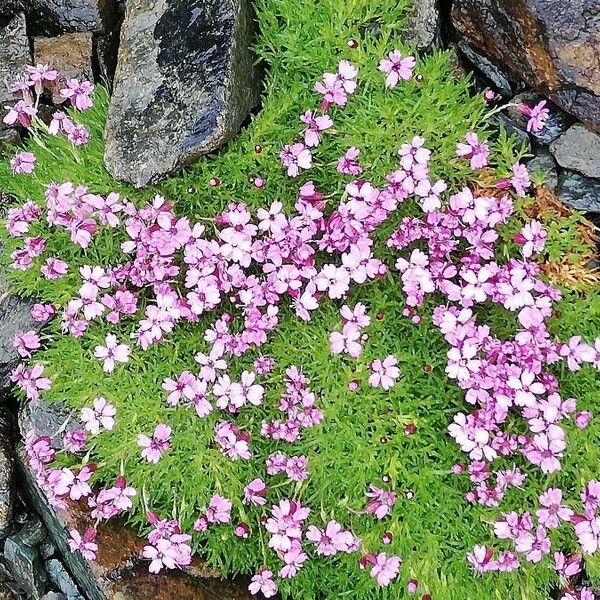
point(557, 123)
point(105, 57)
point(579, 192)
point(52, 420)
point(47, 549)
point(33, 532)
point(70, 54)
point(184, 84)
point(424, 25)
point(7, 476)
point(62, 580)
point(543, 162)
point(8, 138)
point(54, 596)
point(55, 17)
point(578, 149)
point(500, 79)
point(15, 316)
point(14, 55)
point(26, 567)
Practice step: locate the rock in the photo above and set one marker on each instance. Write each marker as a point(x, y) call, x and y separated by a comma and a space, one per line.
point(47, 549)
point(55, 17)
point(578, 149)
point(46, 419)
point(511, 128)
point(8, 138)
point(54, 596)
point(105, 57)
point(500, 80)
point(62, 580)
point(424, 25)
point(26, 567)
point(15, 316)
point(579, 192)
point(543, 162)
point(550, 44)
point(70, 54)
point(33, 532)
point(184, 84)
point(7, 476)
point(14, 55)
point(556, 123)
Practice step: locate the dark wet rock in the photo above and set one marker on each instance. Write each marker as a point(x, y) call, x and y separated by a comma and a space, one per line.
point(70, 54)
point(578, 149)
point(424, 25)
point(62, 580)
point(105, 57)
point(55, 17)
point(25, 567)
point(491, 70)
point(47, 549)
point(184, 84)
point(46, 419)
point(8, 138)
point(33, 532)
point(14, 55)
point(511, 128)
point(556, 123)
point(579, 192)
point(543, 163)
point(15, 316)
point(550, 44)
point(7, 476)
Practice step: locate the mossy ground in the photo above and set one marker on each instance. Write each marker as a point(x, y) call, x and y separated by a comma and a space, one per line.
point(433, 531)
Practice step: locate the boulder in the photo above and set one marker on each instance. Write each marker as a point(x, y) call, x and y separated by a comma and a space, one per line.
point(26, 567)
point(14, 55)
point(185, 82)
point(7, 490)
point(550, 44)
point(579, 192)
point(55, 17)
point(493, 72)
point(424, 25)
point(578, 149)
point(543, 163)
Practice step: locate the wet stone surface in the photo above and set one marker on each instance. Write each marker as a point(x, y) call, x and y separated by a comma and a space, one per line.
point(578, 149)
point(14, 55)
point(579, 192)
point(184, 84)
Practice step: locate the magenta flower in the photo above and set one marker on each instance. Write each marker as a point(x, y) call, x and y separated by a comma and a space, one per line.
point(481, 559)
point(295, 157)
point(538, 115)
point(520, 180)
point(84, 544)
point(25, 342)
point(23, 163)
point(396, 68)
point(78, 93)
point(54, 268)
point(21, 113)
point(532, 238)
point(331, 540)
point(381, 502)
point(347, 341)
point(315, 124)
point(102, 415)
point(553, 511)
point(78, 135)
point(384, 373)
point(475, 151)
point(219, 510)
point(348, 163)
point(255, 492)
point(74, 441)
point(154, 447)
point(40, 75)
point(112, 353)
point(583, 418)
point(263, 582)
point(385, 569)
point(60, 123)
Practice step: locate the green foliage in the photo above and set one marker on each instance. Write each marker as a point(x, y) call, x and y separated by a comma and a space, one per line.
point(433, 531)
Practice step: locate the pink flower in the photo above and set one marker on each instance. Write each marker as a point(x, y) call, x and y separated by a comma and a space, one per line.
point(396, 68)
point(532, 237)
point(567, 567)
point(54, 268)
point(84, 544)
point(40, 75)
point(481, 559)
point(385, 569)
point(219, 510)
point(348, 163)
point(520, 179)
point(314, 126)
point(78, 93)
point(295, 157)
point(23, 162)
point(475, 151)
point(112, 353)
point(263, 582)
point(25, 342)
point(587, 530)
point(20, 113)
point(347, 341)
point(331, 540)
point(293, 558)
point(533, 546)
point(381, 502)
point(154, 447)
point(538, 115)
point(78, 135)
point(255, 492)
point(60, 123)
point(384, 373)
point(553, 511)
point(74, 441)
point(546, 448)
point(577, 352)
point(583, 418)
point(101, 415)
